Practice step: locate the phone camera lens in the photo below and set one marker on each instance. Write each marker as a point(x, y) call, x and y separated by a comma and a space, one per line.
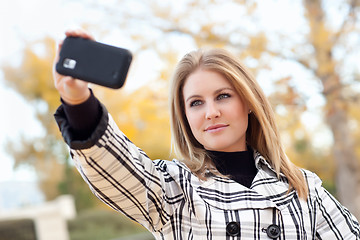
point(69, 63)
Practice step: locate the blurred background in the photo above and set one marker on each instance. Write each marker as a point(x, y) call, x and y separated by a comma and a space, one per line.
point(304, 53)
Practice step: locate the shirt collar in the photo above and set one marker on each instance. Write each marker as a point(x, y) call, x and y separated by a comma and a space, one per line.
point(261, 162)
point(266, 191)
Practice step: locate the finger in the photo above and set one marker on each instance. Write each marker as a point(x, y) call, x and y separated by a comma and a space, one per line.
point(79, 33)
point(70, 81)
point(58, 48)
point(57, 58)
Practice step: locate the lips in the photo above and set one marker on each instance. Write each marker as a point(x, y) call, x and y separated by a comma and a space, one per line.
point(216, 127)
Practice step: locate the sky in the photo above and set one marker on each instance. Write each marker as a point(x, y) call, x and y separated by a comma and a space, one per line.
point(33, 20)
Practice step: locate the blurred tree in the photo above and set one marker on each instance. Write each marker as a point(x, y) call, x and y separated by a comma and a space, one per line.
point(142, 115)
point(323, 62)
point(297, 138)
point(33, 80)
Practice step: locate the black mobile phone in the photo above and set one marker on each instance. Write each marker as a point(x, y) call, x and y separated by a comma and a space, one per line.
point(94, 62)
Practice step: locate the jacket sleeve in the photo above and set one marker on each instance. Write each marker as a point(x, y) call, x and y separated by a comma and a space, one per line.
point(121, 175)
point(334, 221)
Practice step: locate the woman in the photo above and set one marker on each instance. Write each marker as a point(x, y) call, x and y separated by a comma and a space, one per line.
point(234, 182)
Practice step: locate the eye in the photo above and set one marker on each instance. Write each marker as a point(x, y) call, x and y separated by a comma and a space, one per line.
point(223, 95)
point(195, 103)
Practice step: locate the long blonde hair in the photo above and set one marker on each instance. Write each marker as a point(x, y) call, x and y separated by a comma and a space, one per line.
point(262, 133)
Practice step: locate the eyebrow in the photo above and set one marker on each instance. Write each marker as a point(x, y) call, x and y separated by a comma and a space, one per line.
point(216, 92)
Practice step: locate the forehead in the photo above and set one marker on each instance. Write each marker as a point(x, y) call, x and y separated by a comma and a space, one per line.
point(203, 80)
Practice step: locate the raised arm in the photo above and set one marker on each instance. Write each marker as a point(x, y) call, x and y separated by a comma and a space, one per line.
point(117, 172)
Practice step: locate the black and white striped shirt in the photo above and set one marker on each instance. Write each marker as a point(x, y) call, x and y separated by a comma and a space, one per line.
point(172, 203)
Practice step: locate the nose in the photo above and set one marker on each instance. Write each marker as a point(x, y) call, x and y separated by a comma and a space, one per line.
point(212, 111)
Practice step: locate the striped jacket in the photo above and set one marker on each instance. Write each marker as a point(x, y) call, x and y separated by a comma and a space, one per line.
point(172, 203)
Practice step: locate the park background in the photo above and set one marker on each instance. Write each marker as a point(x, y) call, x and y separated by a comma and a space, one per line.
point(304, 53)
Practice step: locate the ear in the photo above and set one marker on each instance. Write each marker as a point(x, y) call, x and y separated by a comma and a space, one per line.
point(249, 109)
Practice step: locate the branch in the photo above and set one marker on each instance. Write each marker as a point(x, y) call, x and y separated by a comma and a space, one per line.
point(351, 16)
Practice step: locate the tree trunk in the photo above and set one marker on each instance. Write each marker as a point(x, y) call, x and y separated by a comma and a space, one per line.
point(347, 163)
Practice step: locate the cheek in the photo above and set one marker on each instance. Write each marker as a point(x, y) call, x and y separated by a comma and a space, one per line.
point(239, 116)
point(193, 120)
point(243, 116)
point(245, 120)
point(242, 112)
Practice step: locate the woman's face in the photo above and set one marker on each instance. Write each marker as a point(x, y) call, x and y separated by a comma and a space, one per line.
point(217, 116)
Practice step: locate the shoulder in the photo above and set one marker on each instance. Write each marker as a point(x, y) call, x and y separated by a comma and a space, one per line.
point(171, 165)
point(311, 177)
point(178, 171)
point(313, 181)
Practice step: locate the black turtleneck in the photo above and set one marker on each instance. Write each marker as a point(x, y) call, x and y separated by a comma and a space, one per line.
point(239, 166)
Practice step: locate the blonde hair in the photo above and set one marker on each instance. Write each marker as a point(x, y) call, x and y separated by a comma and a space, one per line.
point(262, 133)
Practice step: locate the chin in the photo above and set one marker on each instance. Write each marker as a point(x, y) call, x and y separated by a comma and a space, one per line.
point(217, 148)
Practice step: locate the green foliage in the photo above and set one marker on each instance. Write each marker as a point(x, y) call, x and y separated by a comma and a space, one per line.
point(73, 184)
point(102, 225)
point(33, 80)
point(23, 229)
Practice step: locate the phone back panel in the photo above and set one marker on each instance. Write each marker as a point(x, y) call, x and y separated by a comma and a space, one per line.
point(94, 62)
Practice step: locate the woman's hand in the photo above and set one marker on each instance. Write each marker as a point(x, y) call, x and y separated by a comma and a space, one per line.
point(72, 91)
